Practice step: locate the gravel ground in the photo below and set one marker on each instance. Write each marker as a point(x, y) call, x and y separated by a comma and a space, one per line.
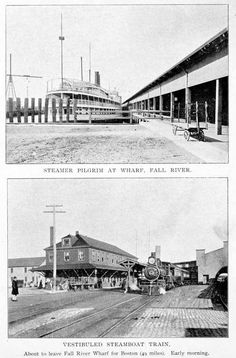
point(91, 144)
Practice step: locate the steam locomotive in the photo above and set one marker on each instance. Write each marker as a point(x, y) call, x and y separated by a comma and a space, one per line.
point(156, 277)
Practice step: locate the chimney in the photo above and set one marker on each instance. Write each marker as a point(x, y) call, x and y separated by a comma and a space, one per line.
point(97, 78)
point(51, 235)
point(77, 233)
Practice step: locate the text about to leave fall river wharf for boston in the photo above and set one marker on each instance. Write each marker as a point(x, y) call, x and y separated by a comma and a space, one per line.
point(116, 349)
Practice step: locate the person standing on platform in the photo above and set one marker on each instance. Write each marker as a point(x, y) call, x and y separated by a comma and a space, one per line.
point(14, 291)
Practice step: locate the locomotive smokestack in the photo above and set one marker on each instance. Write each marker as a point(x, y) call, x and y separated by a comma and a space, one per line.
point(158, 252)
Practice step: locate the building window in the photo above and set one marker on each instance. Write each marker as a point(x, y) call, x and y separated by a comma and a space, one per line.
point(50, 256)
point(12, 270)
point(66, 242)
point(66, 256)
point(98, 256)
point(25, 269)
point(93, 255)
point(80, 255)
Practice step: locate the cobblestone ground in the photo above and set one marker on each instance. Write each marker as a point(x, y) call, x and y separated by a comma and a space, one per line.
point(180, 313)
point(177, 323)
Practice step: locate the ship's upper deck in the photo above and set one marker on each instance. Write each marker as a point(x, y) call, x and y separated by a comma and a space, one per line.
point(55, 86)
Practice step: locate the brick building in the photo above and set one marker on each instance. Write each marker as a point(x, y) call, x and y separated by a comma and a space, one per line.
point(83, 257)
point(211, 262)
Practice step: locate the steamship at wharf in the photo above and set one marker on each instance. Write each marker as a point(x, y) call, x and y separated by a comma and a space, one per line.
point(83, 99)
point(80, 100)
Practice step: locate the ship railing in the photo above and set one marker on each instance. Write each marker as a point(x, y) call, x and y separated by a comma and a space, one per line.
point(92, 103)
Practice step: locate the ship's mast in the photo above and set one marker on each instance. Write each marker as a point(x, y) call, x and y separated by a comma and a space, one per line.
point(61, 38)
point(90, 62)
point(81, 68)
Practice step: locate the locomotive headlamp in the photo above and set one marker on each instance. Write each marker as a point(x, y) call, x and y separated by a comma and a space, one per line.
point(151, 260)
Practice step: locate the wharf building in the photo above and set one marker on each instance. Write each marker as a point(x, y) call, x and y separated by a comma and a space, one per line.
point(201, 77)
point(85, 260)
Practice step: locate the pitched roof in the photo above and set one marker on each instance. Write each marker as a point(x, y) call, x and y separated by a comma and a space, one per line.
point(96, 244)
point(208, 47)
point(78, 266)
point(26, 262)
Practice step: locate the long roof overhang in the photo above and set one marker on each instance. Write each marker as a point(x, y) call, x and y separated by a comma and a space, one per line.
point(213, 45)
point(81, 266)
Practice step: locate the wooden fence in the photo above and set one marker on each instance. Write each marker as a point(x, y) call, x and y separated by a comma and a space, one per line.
point(58, 112)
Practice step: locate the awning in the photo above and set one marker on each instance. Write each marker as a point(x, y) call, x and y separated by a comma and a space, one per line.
point(80, 266)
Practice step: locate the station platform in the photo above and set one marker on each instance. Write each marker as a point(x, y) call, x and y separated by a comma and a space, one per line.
point(180, 313)
point(213, 150)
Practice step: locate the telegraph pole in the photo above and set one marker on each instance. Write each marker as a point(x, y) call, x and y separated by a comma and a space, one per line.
point(54, 212)
point(10, 89)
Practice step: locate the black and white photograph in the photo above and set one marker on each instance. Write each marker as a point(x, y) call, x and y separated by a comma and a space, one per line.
point(117, 83)
point(118, 258)
point(117, 179)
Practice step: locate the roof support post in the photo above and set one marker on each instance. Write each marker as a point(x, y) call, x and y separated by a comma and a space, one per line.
point(113, 274)
point(187, 99)
point(172, 101)
point(218, 107)
point(161, 105)
point(75, 272)
point(104, 274)
point(65, 273)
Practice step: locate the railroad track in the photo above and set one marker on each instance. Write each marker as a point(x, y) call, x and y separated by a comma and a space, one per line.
point(222, 301)
point(75, 323)
point(122, 320)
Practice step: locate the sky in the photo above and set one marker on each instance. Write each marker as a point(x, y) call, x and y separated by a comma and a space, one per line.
point(131, 45)
point(180, 215)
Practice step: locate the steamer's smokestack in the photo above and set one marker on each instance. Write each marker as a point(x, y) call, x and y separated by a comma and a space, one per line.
point(97, 78)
